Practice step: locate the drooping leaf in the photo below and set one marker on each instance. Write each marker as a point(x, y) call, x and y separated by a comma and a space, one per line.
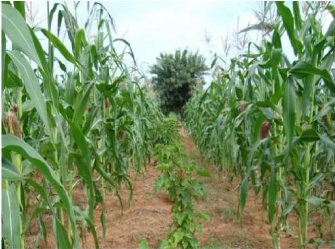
point(329, 142)
point(94, 233)
point(303, 69)
point(9, 171)
point(62, 238)
point(61, 48)
point(84, 164)
point(13, 143)
point(32, 86)
point(11, 216)
point(18, 32)
point(103, 222)
point(326, 109)
point(316, 201)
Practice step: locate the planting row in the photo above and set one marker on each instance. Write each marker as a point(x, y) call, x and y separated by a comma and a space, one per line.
point(74, 117)
point(271, 121)
point(184, 189)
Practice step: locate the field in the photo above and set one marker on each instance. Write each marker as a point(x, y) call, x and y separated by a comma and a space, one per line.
point(91, 160)
point(149, 216)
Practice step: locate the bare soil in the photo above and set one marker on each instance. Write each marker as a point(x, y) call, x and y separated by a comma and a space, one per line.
point(149, 215)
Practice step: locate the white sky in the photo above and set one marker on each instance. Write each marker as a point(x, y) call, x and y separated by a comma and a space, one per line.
point(153, 27)
point(164, 26)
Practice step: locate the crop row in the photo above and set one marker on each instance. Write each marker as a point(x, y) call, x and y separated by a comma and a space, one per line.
point(271, 121)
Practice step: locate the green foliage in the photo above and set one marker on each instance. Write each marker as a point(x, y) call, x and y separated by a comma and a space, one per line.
point(175, 77)
point(261, 119)
point(143, 244)
point(84, 125)
point(166, 132)
point(183, 188)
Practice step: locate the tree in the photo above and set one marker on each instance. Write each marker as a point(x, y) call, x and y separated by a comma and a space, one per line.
point(175, 77)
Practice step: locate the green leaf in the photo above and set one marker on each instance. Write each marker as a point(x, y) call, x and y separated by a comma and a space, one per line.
point(84, 164)
point(326, 108)
point(11, 216)
point(260, 26)
point(318, 179)
point(40, 190)
point(204, 216)
point(79, 40)
point(104, 175)
point(90, 119)
point(18, 32)
point(288, 22)
point(62, 238)
point(180, 217)
point(272, 192)
point(61, 48)
point(48, 80)
point(276, 39)
point(94, 233)
point(159, 183)
point(289, 106)
point(331, 29)
point(19, 146)
point(163, 167)
point(32, 86)
point(310, 135)
point(9, 171)
point(303, 69)
point(178, 236)
point(165, 244)
point(204, 173)
point(20, 6)
point(103, 223)
point(130, 185)
point(12, 79)
point(265, 104)
point(81, 105)
point(327, 141)
point(244, 192)
point(143, 244)
point(316, 201)
point(297, 16)
point(288, 209)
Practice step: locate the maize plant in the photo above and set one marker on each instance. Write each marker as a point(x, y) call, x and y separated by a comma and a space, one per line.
point(269, 119)
point(74, 116)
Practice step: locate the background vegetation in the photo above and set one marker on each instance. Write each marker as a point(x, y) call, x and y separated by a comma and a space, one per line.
point(175, 77)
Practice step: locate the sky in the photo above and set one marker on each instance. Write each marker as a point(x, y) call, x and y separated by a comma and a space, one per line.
point(154, 27)
point(164, 26)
